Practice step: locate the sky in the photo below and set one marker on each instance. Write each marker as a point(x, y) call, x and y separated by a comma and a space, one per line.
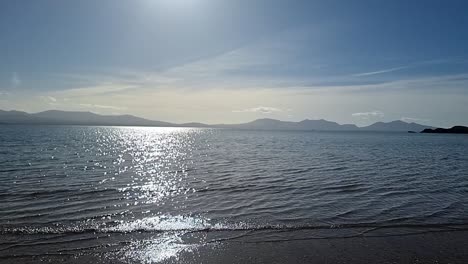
point(216, 61)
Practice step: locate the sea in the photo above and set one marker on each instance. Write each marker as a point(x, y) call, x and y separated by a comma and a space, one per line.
point(150, 194)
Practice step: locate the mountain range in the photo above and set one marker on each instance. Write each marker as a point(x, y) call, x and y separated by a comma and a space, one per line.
point(56, 117)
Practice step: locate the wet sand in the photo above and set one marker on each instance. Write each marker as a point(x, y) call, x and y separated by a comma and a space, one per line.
point(433, 247)
point(440, 247)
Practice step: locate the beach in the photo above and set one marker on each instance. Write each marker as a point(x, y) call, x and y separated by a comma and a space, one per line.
point(433, 247)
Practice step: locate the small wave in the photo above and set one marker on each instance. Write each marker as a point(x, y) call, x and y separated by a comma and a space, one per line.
point(167, 223)
point(164, 223)
point(178, 234)
point(344, 187)
point(158, 250)
point(79, 192)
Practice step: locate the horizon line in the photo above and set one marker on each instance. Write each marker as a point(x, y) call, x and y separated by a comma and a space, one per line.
point(219, 124)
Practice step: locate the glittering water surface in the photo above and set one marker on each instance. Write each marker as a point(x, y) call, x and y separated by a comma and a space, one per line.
point(148, 194)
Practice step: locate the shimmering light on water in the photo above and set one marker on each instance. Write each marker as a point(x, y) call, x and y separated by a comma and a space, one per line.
point(165, 247)
point(150, 194)
point(157, 159)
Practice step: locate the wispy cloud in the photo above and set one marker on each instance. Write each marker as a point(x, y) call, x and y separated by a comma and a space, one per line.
point(102, 106)
point(366, 115)
point(259, 109)
point(49, 99)
point(15, 80)
point(411, 65)
point(380, 71)
point(413, 119)
point(99, 89)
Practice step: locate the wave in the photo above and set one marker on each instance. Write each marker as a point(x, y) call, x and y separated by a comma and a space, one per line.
point(166, 223)
point(68, 192)
point(158, 238)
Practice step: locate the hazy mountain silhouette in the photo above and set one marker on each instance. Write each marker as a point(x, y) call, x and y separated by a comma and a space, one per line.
point(91, 118)
point(273, 124)
point(76, 118)
point(56, 117)
point(397, 125)
point(16, 117)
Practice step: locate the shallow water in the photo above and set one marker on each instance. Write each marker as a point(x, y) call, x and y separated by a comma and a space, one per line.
point(148, 194)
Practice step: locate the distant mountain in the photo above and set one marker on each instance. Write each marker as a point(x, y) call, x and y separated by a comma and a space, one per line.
point(9, 117)
point(262, 124)
point(397, 125)
point(88, 118)
point(453, 130)
point(273, 124)
point(193, 124)
point(324, 125)
point(55, 117)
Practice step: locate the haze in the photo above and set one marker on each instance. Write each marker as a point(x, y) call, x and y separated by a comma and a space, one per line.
point(235, 61)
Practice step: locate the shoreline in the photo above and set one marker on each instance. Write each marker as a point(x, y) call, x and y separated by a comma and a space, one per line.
point(432, 247)
point(429, 247)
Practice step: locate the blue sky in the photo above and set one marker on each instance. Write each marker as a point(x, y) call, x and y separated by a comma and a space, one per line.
point(234, 61)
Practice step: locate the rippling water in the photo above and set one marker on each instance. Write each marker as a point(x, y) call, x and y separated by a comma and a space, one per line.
point(147, 194)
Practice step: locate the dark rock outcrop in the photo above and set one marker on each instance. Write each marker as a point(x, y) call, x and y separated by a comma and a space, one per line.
point(453, 130)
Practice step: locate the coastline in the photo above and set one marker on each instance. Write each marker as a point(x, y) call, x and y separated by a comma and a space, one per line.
point(438, 247)
point(428, 247)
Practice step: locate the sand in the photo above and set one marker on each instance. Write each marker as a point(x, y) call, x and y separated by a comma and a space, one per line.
point(433, 247)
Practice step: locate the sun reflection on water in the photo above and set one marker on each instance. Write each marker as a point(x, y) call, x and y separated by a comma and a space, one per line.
point(146, 165)
point(158, 159)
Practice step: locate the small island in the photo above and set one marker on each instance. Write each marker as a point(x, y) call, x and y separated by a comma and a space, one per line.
point(453, 130)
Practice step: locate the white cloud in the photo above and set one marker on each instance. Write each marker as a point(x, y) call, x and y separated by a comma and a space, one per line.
point(102, 106)
point(15, 79)
point(380, 72)
point(412, 65)
point(103, 89)
point(259, 109)
point(366, 115)
point(49, 99)
point(413, 119)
